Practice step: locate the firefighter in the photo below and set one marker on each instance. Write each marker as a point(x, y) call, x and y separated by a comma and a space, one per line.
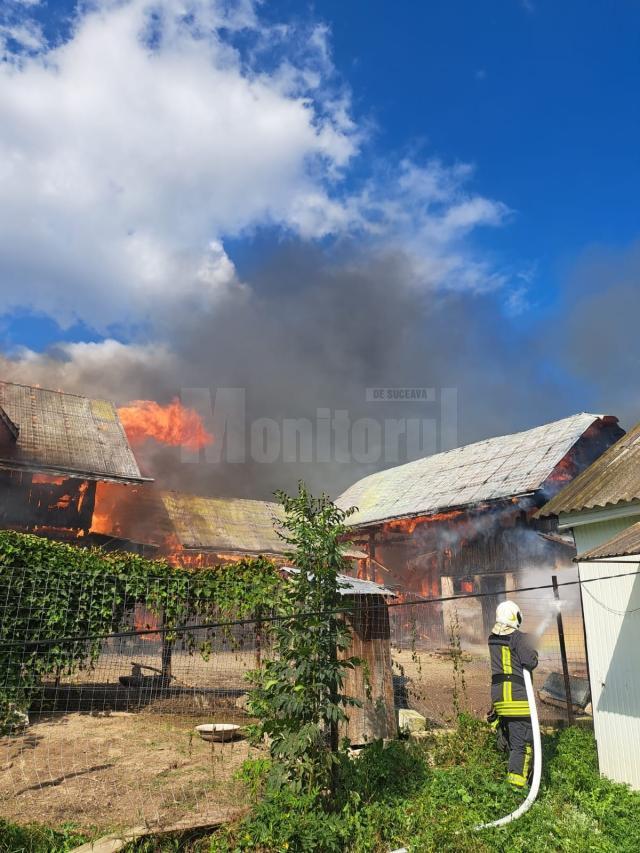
point(510, 652)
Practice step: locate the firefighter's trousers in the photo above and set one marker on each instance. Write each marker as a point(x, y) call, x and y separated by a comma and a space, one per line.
point(515, 735)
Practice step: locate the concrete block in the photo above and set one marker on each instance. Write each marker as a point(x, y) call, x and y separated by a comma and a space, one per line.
point(410, 721)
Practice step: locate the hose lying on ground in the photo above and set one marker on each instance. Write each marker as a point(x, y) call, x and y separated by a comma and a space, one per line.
point(537, 765)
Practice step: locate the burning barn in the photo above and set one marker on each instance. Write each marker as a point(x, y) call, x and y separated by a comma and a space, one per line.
point(55, 449)
point(462, 521)
point(191, 530)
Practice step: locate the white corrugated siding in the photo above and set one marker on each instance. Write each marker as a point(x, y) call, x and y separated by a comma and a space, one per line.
point(612, 624)
point(588, 536)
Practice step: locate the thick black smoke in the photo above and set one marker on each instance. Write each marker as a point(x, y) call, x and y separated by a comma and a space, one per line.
point(313, 331)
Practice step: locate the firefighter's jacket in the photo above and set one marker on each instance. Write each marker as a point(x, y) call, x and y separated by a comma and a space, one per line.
point(509, 654)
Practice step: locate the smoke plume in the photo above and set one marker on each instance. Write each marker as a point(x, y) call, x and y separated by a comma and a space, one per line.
point(313, 330)
point(599, 342)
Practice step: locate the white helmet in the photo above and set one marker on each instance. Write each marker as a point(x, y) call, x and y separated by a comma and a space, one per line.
point(508, 613)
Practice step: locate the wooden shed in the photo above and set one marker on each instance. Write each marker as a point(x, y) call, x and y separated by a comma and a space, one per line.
point(462, 521)
point(371, 683)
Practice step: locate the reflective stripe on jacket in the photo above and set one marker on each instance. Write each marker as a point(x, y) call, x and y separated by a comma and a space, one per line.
point(509, 654)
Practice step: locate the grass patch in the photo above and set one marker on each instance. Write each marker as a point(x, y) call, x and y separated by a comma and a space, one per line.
point(35, 838)
point(426, 796)
point(430, 796)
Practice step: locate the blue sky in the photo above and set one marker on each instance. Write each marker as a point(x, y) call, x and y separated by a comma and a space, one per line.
point(543, 97)
point(158, 157)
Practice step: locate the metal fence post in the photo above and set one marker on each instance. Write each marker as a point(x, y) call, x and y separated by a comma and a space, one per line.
point(563, 654)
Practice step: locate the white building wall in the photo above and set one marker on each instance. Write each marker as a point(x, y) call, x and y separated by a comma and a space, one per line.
point(588, 536)
point(612, 626)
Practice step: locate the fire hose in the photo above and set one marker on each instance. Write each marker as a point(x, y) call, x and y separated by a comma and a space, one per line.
point(537, 761)
point(537, 766)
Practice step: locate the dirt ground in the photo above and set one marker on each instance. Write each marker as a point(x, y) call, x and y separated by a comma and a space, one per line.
point(124, 768)
point(120, 770)
point(430, 684)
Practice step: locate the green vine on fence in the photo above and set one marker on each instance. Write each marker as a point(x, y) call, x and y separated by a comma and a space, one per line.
point(51, 593)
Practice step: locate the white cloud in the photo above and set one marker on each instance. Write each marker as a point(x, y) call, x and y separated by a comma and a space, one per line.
point(132, 151)
point(429, 212)
point(27, 36)
point(118, 371)
point(126, 150)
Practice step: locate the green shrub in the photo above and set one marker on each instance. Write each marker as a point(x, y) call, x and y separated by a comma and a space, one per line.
point(298, 694)
point(34, 838)
point(430, 796)
point(382, 773)
point(286, 821)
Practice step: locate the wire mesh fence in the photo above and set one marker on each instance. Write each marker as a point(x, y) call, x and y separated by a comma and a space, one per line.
point(441, 658)
point(110, 739)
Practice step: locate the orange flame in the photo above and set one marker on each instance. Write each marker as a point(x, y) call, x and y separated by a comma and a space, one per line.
point(105, 513)
point(47, 479)
point(408, 525)
point(143, 620)
point(172, 424)
point(564, 471)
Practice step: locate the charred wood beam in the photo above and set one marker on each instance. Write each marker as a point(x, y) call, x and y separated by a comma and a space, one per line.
point(86, 505)
point(8, 430)
point(371, 572)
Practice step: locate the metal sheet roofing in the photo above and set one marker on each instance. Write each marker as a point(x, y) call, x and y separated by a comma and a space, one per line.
point(228, 524)
point(65, 434)
point(613, 478)
point(487, 470)
point(225, 524)
point(623, 544)
point(354, 586)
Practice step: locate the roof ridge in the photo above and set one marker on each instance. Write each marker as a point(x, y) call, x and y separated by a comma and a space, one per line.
point(55, 391)
point(192, 496)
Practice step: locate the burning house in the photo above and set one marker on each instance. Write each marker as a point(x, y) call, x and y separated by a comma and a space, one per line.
point(55, 450)
point(462, 521)
point(189, 530)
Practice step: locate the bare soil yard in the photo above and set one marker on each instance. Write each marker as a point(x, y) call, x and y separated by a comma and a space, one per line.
point(123, 768)
point(104, 772)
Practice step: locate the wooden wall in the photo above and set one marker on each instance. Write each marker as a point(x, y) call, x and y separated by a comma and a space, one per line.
point(372, 683)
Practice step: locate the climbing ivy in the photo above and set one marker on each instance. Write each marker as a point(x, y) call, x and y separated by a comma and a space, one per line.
point(58, 601)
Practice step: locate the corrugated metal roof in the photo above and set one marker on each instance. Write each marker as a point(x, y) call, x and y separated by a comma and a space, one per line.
point(621, 545)
point(225, 524)
point(354, 586)
point(613, 478)
point(66, 434)
point(229, 524)
point(487, 470)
